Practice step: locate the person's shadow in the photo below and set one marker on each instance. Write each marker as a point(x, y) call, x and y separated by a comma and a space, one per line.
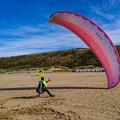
point(29, 97)
point(26, 97)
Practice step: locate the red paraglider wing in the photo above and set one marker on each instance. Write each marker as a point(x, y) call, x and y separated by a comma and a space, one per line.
point(96, 39)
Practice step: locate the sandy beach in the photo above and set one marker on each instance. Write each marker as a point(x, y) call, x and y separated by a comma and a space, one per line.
point(78, 96)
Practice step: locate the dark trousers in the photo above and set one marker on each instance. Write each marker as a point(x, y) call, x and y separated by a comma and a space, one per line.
point(46, 90)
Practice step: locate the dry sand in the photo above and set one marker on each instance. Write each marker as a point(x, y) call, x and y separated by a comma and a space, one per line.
point(78, 96)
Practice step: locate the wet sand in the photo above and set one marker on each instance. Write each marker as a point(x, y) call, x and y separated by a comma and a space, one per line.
point(78, 96)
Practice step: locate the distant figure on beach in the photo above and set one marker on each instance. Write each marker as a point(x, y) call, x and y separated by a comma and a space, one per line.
point(40, 73)
point(42, 87)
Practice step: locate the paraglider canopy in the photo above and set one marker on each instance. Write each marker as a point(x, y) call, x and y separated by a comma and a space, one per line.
point(95, 38)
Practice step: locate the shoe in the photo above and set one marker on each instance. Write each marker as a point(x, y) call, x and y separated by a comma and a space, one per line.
point(52, 96)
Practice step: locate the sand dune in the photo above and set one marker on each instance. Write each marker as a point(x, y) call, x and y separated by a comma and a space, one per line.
point(78, 96)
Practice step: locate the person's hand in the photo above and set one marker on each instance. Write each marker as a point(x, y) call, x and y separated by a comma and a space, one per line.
point(49, 79)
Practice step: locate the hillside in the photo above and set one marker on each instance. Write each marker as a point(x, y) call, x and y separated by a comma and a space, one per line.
point(74, 58)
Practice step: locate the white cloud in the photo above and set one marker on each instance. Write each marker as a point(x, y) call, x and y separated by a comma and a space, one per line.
point(102, 13)
point(113, 30)
point(49, 38)
point(20, 31)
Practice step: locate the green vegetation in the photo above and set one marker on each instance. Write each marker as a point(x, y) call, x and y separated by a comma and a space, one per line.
point(64, 59)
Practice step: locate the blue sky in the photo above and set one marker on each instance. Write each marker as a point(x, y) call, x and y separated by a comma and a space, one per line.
point(24, 27)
